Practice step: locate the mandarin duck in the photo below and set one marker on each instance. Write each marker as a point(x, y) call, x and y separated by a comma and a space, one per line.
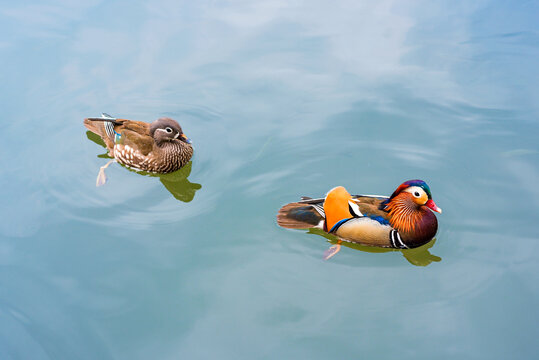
point(402, 221)
point(160, 147)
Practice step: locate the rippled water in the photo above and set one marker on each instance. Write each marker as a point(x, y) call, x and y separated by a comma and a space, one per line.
point(282, 99)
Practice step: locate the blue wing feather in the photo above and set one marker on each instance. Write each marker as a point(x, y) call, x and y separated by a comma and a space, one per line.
point(380, 219)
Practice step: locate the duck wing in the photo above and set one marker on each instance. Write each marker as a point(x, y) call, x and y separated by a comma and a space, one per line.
point(135, 134)
point(372, 206)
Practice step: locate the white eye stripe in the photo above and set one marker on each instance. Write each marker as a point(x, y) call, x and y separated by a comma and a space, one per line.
point(165, 130)
point(416, 191)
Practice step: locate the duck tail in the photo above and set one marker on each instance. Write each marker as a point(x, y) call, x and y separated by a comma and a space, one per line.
point(102, 126)
point(301, 215)
point(94, 126)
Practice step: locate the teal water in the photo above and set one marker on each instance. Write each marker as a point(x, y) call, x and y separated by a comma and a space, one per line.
point(281, 99)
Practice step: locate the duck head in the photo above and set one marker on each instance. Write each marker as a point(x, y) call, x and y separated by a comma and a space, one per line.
point(166, 129)
point(416, 191)
point(409, 206)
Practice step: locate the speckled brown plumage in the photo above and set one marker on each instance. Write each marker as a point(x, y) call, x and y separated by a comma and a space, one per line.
point(159, 147)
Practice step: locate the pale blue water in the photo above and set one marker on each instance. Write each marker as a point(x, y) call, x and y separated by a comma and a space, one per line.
point(282, 99)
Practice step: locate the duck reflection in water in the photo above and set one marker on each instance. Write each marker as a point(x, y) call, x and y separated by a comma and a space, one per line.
point(419, 256)
point(177, 183)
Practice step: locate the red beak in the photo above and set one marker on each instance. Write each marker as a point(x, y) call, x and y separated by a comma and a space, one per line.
point(431, 205)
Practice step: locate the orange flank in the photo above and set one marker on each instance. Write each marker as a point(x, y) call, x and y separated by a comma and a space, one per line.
point(336, 206)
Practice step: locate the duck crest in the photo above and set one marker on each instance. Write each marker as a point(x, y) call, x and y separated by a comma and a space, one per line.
point(407, 184)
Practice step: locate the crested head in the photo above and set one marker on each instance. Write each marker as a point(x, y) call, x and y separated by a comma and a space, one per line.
point(415, 192)
point(410, 183)
point(408, 205)
point(167, 129)
point(164, 123)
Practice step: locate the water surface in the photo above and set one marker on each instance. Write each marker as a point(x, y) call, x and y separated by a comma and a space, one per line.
point(281, 99)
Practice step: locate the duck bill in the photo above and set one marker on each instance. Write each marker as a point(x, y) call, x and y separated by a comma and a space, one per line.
point(186, 139)
point(432, 205)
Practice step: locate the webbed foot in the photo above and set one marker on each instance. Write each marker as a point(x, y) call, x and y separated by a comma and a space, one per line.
point(101, 176)
point(332, 251)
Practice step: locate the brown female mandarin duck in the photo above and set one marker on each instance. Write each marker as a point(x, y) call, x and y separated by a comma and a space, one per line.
point(159, 147)
point(404, 220)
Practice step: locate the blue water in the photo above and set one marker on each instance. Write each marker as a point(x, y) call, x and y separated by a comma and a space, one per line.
point(281, 99)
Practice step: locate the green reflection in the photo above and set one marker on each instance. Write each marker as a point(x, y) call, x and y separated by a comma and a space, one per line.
point(177, 183)
point(419, 256)
point(95, 138)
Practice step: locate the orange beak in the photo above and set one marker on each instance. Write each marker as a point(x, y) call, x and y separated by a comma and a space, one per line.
point(432, 205)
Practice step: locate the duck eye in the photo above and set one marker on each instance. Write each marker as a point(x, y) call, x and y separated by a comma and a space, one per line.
point(169, 130)
point(416, 193)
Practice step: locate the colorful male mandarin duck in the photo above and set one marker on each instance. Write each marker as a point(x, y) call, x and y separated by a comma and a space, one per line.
point(159, 147)
point(402, 221)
